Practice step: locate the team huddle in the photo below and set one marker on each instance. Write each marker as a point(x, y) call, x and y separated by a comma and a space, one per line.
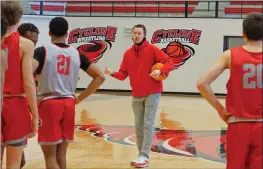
point(49, 110)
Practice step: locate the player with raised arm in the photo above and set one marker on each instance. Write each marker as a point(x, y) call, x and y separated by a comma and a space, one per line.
point(31, 32)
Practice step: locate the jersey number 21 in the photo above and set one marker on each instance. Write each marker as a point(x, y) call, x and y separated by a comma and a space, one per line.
point(253, 71)
point(63, 64)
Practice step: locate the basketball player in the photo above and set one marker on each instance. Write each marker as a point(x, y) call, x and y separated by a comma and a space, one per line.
point(146, 91)
point(57, 65)
point(17, 124)
point(243, 111)
point(31, 32)
point(4, 66)
point(4, 25)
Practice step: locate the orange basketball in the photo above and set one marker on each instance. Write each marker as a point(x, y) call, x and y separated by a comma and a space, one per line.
point(158, 66)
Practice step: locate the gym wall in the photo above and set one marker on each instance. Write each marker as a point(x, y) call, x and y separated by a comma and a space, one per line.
point(202, 39)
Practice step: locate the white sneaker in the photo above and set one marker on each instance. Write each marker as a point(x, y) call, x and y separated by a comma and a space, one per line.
point(142, 162)
point(134, 161)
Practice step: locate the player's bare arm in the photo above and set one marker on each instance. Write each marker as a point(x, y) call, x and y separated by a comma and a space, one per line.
point(3, 68)
point(4, 65)
point(35, 65)
point(209, 77)
point(27, 49)
point(98, 79)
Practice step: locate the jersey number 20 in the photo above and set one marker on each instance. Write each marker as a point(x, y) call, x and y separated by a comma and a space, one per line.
point(63, 64)
point(254, 71)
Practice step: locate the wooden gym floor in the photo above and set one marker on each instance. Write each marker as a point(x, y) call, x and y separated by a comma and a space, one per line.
point(189, 134)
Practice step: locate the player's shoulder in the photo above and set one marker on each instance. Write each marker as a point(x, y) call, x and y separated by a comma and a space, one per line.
point(25, 40)
point(233, 51)
point(25, 43)
point(227, 52)
point(226, 55)
point(74, 51)
point(40, 50)
point(237, 50)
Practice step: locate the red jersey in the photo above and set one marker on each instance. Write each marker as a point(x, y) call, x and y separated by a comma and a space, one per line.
point(244, 88)
point(13, 75)
point(137, 64)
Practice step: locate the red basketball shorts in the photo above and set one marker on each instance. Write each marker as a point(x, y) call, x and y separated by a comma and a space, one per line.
point(58, 121)
point(15, 120)
point(244, 145)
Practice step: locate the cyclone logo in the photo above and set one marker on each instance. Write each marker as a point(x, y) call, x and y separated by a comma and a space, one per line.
point(94, 50)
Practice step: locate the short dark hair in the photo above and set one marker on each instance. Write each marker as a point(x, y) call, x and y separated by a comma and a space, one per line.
point(4, 25)
point(23, 28)
point(12, 10)
point(252, 26)
point(58, 26)
point(140, 26)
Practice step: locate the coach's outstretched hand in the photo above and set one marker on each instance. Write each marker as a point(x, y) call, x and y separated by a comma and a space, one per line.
point(108, 71)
